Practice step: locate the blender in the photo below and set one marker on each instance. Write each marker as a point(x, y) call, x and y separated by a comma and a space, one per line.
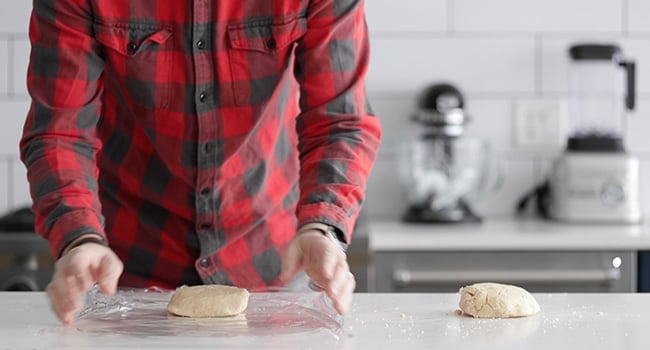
point(595, 180)
point(442, 170)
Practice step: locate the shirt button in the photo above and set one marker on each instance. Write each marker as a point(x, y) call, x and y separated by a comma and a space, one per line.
point(204, 262)
point(200, 44)
point(131, 46)
point(272, 44)
point(208, 147)
point(205, 191)
point(203, 97)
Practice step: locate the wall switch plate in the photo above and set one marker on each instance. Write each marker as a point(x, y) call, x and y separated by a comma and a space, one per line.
point(540, 124)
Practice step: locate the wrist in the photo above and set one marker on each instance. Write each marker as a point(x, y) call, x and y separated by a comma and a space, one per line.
point(84, 239)
point(327, 230)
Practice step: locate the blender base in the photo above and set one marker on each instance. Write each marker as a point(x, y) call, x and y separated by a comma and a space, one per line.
point(460, 214)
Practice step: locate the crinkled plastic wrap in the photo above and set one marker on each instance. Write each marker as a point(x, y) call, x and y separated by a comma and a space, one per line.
point(143, 312)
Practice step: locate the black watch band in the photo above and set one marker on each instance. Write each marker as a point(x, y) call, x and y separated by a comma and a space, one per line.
point(90, 239)
point(330, 231)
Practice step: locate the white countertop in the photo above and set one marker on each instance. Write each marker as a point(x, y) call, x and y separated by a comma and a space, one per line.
point(377, 321)
point(504, 235)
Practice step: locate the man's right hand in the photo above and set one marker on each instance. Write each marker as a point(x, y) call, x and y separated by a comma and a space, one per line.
point(76, 272)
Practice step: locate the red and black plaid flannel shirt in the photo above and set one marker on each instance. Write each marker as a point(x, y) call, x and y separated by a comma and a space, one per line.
point(204, 132)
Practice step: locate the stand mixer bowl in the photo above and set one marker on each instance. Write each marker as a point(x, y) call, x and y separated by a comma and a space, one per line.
point(439, 176)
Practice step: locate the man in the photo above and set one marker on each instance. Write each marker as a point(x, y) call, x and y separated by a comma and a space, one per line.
point(186, 142)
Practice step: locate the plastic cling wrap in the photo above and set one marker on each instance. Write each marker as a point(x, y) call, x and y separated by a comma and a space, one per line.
point(143, 313)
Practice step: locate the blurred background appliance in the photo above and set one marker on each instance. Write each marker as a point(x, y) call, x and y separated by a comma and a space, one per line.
point(25, 260)
point(443, 171)
point(595, 179)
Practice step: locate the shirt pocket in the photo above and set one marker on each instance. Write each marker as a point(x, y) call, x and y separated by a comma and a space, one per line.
point(259, 54)
point(139, 56)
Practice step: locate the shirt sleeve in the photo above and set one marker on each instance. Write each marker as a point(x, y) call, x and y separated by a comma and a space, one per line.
point(338, 134)
point(59, 142)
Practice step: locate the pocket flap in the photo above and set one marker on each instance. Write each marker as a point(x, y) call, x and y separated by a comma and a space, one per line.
point(266, 36)
point(129, 39)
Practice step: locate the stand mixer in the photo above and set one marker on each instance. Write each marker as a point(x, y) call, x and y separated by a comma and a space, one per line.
point(441, 170)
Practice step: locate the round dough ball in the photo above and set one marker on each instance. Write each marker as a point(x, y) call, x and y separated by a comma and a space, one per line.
point(494, 300)
point(208, 301)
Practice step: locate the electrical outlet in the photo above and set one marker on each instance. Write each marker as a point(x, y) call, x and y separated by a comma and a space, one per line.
point(540, 123)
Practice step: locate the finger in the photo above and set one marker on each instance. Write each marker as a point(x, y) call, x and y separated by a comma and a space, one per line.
point(64, 302)
point(107, 274)
point(339, 279)
point(291, 261)
point(76, 280)
point(71, 287)
point(70, 282)
point(71, 298)
point(322, 267)
point(344, 301)
point(55, 303)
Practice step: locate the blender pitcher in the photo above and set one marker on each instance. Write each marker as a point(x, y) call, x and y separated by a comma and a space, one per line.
point(601, 90)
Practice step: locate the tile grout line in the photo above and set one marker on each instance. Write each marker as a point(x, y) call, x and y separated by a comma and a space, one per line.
point(496, 35)
point(497, 95)
point(10, 183)
point(625, 21)
point(450, 17)
point(537, 61)
point(10, 64)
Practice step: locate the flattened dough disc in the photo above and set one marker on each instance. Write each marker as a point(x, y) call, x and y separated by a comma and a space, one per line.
point(208, 301)
point(494, 300)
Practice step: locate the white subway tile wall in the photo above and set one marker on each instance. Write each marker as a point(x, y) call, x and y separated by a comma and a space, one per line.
point(638, 16)
point(396, 122)
point(5, 190)
point(490, 119)
point(487, 65)
point(495, 51)
point(407, 15)
point(20, 191)
point(14, 16)
point(4, 65)
point(13, 184)
point(13, 118)
point(20, 61)
point(533, 16)
point(385, 197)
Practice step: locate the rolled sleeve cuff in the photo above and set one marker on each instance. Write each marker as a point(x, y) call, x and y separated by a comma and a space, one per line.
point(71, 226)
point(329, 214)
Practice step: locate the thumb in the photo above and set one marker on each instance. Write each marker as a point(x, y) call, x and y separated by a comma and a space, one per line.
point(107, 274)
point(291, 261)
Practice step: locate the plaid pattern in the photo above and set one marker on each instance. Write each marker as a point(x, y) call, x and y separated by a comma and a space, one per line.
point(204, 132)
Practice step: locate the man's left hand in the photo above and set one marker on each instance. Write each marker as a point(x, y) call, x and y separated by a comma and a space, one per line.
point(324, 262)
